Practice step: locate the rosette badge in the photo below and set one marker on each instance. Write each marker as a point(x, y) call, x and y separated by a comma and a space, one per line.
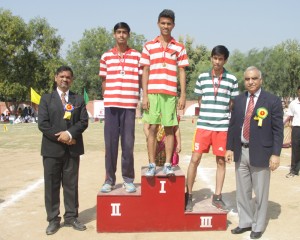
point(68, 110)
point(69, 107)
point(262, 113)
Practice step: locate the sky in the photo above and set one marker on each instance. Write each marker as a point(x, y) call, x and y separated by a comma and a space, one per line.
point(238, 24)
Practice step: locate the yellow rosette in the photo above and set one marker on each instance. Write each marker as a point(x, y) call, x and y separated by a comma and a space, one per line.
point(261, 114)
point(68, 111)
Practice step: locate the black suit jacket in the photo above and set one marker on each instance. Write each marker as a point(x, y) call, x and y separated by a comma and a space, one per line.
point(265, 140)
point(50, 122)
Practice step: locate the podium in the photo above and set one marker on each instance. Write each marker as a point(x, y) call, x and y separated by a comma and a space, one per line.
point(157, 205)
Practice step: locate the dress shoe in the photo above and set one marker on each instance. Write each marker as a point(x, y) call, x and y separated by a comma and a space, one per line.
point(239, 230)
point(53, 226)
point(75, 224)
point(255, 235)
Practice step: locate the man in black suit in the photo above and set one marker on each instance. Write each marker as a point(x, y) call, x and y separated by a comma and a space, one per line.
point(255, 142)
point(62, 118)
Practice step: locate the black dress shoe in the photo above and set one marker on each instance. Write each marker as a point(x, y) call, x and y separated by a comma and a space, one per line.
point(239, 230)
point(75, 224)
point(53, 226)
point(255, 235)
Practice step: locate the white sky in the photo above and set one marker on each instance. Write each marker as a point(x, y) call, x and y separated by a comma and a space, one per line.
point(237, 24)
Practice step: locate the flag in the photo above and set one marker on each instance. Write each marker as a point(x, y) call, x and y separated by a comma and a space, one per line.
point(35, 97)
point(86, 97)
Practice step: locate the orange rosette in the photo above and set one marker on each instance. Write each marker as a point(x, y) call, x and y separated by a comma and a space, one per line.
point(69, 107)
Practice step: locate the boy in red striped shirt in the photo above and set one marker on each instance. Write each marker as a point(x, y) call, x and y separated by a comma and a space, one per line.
point(120, 73)
point(161, 58)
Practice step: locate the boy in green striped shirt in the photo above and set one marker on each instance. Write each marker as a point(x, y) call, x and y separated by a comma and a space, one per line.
point(216, 90)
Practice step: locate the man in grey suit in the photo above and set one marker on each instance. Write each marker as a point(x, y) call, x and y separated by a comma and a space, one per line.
point(62, 118)
point(254, 141)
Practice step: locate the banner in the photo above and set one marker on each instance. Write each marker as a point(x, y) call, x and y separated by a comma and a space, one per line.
point(35, 97)
point(86, 97)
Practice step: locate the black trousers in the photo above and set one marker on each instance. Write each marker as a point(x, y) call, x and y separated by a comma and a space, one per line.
point(295, 163)
point(119, 124)
point(61, 172)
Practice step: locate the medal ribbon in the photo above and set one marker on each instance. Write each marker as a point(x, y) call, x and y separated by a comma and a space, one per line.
point(122, 60)
point(216, 88)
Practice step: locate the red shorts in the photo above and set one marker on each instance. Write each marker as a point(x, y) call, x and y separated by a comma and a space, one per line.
point(203, 139)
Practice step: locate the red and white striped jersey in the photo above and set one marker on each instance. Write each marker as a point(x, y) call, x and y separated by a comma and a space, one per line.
point(163, 65)
point(122, 78)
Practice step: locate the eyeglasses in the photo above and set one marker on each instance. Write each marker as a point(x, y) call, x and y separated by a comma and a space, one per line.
point(252, 78)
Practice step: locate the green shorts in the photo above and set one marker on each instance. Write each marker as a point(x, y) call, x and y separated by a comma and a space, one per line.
point(162, 110)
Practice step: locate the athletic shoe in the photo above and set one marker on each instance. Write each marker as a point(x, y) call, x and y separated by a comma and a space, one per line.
point(188, 202)
point(106, 188)
point(168, 170)
point(129, 187)
point(151, 170)
point(218, 202)
point(290, 175)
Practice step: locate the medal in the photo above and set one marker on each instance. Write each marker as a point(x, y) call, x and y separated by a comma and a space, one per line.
point(216, 83)
point(122, 72)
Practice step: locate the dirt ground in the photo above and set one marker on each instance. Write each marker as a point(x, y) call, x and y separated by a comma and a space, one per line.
point(22, 212)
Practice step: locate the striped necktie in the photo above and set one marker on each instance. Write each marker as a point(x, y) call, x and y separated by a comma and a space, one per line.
point(63, 99)
point(246, 129)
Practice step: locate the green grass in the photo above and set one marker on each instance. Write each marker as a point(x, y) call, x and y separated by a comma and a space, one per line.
point(26, 136)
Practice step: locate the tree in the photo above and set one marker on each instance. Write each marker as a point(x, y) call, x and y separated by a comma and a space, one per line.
point(85, 55)
point(282, 69)
point(28, 54)
point(199, 60)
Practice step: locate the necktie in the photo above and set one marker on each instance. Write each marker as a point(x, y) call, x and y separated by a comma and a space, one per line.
point(63, 100)
point(246, 129)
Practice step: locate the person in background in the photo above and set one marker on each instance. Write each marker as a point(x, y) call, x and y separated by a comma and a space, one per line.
point(294, 117)
point(120, 73)
point(216, 90)
point(62, 118)
point(161, 59)
point(254, 142)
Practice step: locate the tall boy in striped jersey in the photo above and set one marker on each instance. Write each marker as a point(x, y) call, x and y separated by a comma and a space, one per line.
point(160, 59)
point(121, 74)
point(216, 90)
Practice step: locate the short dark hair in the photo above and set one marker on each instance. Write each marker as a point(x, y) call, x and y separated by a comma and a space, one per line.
point(298, 88)
point(64, 68)
point(167, 13)
point(122, 25)
point(220, 50)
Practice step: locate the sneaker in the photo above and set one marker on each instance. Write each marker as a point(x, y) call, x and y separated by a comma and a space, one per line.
point(290, 175)
point(218, 202)
point(151, 170)
point(188, 202)
point(129, 187)
point(168, 170)
point(106, 188)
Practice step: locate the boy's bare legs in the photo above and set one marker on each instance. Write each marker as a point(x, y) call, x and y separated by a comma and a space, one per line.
point(191, 176)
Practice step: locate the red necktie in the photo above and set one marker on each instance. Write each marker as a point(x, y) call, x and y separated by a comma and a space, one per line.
point(63, 100)
point(246, 129)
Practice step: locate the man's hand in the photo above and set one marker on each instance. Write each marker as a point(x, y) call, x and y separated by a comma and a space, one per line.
point(229, 156)
point(63, 137)
point(274, 162)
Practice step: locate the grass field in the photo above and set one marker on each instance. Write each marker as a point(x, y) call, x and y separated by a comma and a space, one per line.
point(27, 136)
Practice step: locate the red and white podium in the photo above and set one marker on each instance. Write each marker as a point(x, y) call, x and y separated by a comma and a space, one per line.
point(157, 205)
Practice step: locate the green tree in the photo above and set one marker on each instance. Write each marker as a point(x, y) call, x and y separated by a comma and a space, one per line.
point(28, 54)
point(199, 60)
point(282, 69)
point(85, 55)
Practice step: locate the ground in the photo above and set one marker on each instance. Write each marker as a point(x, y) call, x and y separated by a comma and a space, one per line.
point(22, 211)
